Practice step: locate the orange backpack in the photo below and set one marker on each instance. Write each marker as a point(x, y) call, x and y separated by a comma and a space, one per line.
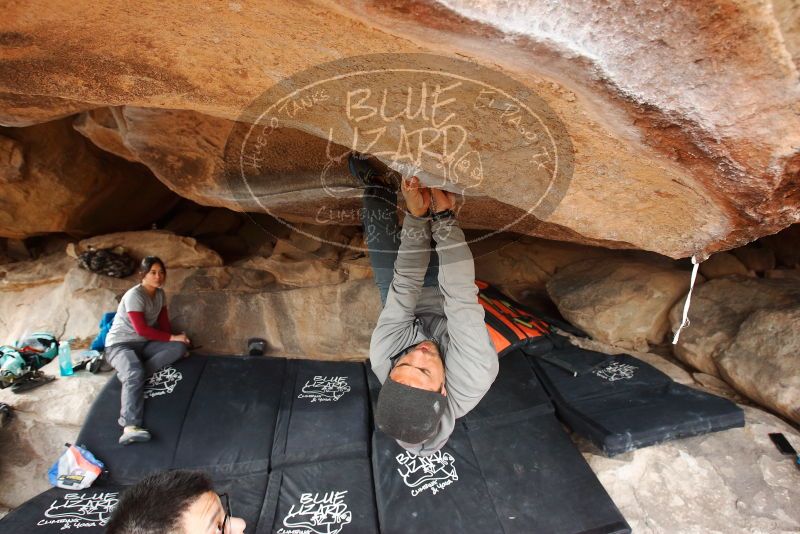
point(509, 324)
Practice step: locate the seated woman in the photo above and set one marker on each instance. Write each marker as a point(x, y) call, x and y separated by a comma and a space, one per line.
point(140, 342)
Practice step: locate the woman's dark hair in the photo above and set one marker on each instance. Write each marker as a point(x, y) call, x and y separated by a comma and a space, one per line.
point(148, 262)
point(156, 503)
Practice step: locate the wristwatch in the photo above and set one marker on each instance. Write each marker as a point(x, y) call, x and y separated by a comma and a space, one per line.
point(446, 214)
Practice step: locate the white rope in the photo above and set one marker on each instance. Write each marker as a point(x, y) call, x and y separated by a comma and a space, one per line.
point(685, 323)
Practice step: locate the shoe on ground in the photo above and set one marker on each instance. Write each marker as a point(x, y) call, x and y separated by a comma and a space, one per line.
point(98, 365)
point(133, 434)
point(256, 346)
point(31, 380)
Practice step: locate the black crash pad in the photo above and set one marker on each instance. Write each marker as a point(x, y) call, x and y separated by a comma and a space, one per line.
point(58, 510)
point(198, 416)
point(324, 413)
point(87, 511)
point(539, 482)
point(443, 493)
point(509, 466)
point(320, 498)
point(515, 395)
point(621, 403)
point(245, 495)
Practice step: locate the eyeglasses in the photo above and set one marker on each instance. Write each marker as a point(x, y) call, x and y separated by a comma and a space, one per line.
point(223, 498)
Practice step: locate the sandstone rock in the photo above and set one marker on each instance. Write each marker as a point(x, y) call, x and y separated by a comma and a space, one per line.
point(357, 268)
point(722, 264)
point(289, 180)
point(717, 387)
point(30, 446)
point(185, 221)
point(71, 308)
point(90, 295)
point(355, 248)
point(102, 126)
point(26, 110)
point(185, 150)
point(259, 240)
point(23, 274)
point(66, 401)
point(718, 309)
point(756, 259)
point(320, 321)
point(41, 246)
point(783, 273)
point(762, 362)
point(304, 242)
point(734, 482)
point(681, 140)
point(307, 271)
point(17, 250)
point(229, 247)
point(786, 245)
point(298, 247)
point(217, 222)
point(619, 301)
point(331, 322)
point(11, 160)
point(521, 263)
point(176, 251)
point(68, 185)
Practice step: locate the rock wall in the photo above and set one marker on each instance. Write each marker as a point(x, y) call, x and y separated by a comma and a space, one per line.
point(318, 304)
point(682, 116)
point(53, 180)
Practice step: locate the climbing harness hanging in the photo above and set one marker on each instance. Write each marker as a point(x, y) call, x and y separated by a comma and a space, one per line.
point(685, 322)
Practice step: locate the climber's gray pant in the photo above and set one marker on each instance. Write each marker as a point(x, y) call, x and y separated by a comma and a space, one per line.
point(382, 237)
point(134, 362)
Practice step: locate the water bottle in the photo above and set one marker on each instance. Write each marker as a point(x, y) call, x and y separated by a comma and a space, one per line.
point(65, 358)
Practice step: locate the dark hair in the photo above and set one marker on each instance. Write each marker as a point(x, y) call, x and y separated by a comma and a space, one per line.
point(148, 262)
point(156, 503)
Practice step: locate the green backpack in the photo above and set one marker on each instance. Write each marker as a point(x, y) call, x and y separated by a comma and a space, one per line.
point(38, 348)
point(12, 365)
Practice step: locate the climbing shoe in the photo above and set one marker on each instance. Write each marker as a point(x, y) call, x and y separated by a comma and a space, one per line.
point(98, 364)
point(368, 173)
point(5, 413)
point(31, 380)
point(133, 434)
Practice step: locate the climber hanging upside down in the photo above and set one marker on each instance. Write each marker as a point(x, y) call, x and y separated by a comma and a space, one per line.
point(430, 348)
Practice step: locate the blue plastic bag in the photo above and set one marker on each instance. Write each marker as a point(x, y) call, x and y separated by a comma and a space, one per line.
point(99, 342)
point(77, 468)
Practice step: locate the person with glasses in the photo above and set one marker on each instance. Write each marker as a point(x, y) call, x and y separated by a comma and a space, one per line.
point(140, 342)
point(175, 502)
point(430, 349)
